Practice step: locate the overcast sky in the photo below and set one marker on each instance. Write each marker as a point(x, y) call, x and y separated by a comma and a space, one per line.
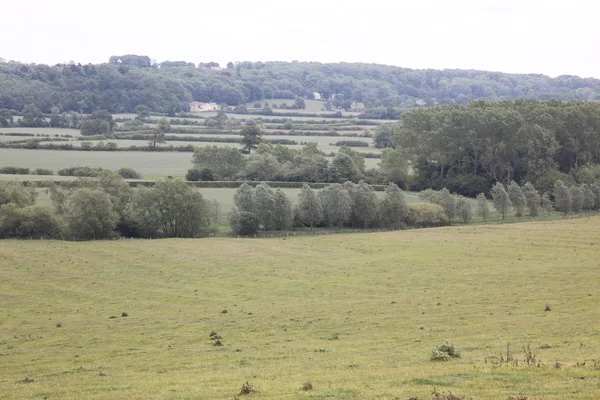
point(524, 36)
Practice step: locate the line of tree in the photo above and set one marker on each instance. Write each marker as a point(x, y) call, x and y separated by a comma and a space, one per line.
point(106, 207)
point(130, 80)
point(469, 148)
point(271, 162)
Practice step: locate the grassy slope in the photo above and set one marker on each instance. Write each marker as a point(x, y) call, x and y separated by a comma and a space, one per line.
point(478, 287)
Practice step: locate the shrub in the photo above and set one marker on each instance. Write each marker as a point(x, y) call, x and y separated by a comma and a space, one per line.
point(444, 352)
point(42, 171)
point(14, 170)
point(197, 174)
point(352, 143)
point(27, 222)
point(129, 173)
point(80, 171)
point(424, 215)
point(243, 223)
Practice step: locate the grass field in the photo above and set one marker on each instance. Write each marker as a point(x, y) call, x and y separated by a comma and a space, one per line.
point(149, 164)
point(356, 315)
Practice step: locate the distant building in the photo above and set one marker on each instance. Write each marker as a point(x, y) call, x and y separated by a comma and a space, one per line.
point(317, 96)
point(200, 106)
point(217, 68)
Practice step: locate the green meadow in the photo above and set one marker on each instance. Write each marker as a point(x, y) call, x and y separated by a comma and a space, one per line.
point(356, 316)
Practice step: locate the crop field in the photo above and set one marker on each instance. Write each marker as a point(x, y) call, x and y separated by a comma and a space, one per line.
point(149, 164)
point(356, 316)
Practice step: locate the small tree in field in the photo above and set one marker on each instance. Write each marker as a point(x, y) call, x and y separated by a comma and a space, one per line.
point(589, 198)
point(532, 198)
point(562, 197)
point(309, 210)
point(501, 199)
point(464, 209)
point(244, 198)
point(483, 208)
point(251, 137)
point(393, 206)
point(517, 198)
point(547, 205)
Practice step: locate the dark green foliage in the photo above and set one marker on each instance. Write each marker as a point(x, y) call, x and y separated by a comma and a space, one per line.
point(445, 352)
point(42, 171)
point(197, 174)
point(352, 143)
point(15, 192)
point(80, 171)
point(14, 170)
point(243, 223)
point(171, 208)
point(128, 81)
point(129, 173)
point(383, 136)
point(28, 222)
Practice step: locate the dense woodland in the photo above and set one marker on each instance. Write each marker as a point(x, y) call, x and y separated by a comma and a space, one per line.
point(469, 148)
point(128, 81)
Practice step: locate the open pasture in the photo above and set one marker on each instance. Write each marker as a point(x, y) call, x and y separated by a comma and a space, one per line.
point(356, 315)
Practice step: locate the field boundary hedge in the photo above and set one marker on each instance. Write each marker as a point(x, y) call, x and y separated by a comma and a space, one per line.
point(201, 184)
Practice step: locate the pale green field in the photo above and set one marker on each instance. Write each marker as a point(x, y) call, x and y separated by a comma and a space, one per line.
point(356, 315)
point(149, 164)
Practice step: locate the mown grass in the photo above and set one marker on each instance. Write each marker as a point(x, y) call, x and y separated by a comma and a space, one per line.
point(356, 315)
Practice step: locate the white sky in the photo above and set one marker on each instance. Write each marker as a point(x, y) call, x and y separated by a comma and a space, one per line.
point(525, 36)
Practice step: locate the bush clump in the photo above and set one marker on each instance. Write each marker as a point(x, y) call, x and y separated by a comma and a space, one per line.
point(14, 170)
point(80, 172)
point(42, 171)
point(129, 173)
point(425, 215)
point(197, 174)
point(445, 352)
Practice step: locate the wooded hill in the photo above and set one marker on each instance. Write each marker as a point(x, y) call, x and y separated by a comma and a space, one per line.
point(128, 81)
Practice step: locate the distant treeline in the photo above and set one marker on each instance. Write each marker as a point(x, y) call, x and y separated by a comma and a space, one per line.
point(128, 81)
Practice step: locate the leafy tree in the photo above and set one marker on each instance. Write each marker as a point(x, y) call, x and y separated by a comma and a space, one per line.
point(501, 199)
point(267, 110)
point(90, 214)
point(195, 174)
point(283, 214)
point(32, 117)
point(243, 223)
point(6, 117)
point(129, 173)
point(589, 198)
point(337, 205)
point(225, 162)
point(309, 210)
point(365, 206)
point(357, 157)
point(547, 205)
point(394, 166)
point(264, 205)
point(27, 222)
point(342, 168)
point(265, 167)
point(532, 198)
point(383, 136)
point(393, 206)
point(244, 198)
point(448, 201)
point(299, 103)
point(483, 209)
point(163, 125)
point(240, 109)
point(464, 209)
point(171, 208)
point(16, 193)
point(517, 198)
point(142, 111)
point(424, 215)
point(251, 137)
point(563, 201)
point(577, 199)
